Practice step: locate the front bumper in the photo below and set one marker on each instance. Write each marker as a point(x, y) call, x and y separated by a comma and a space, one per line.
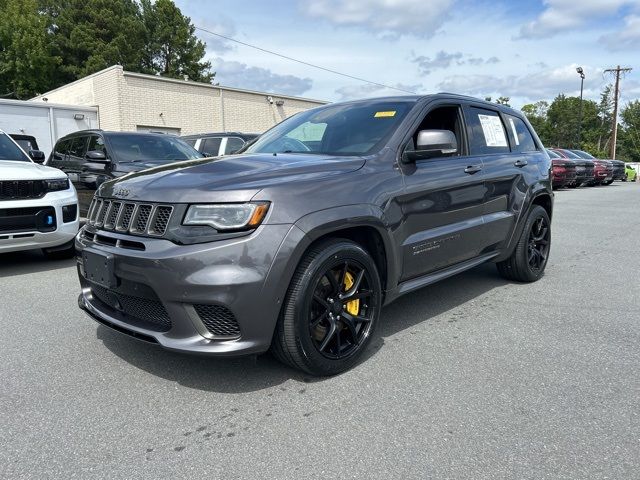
point(12, 241)
point(247, 277)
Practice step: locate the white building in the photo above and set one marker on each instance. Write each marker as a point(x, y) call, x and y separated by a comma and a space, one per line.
point(129, 101)
point(45, 121)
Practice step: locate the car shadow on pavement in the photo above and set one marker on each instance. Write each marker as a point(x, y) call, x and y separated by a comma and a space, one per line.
point(247, 374)
point(29, 261)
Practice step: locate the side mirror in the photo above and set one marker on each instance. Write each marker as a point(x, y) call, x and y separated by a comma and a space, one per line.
point(97, 156)
point(37, 156)
point(433, 143)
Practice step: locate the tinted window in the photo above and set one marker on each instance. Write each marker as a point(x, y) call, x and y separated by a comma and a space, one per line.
point(553, 154)
point(486, 132)
point(569, 154)
point(348, 129)
point(10, 151)
point(190, 141)
point(25, 144)
point(78, 147)
point(96, 143)
point(210, 145)
point(233, 145)
point(150, 148)
point(520, 136)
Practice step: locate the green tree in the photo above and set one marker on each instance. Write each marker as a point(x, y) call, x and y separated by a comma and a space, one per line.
point(27, 61)
point(172, 48)
point(537, 115)
point(563, 119)
point(90, 35)
point(629, 135)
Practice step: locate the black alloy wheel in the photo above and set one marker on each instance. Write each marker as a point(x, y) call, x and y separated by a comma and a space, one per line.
point(531, 253)
point(331, 309)
point(340, 315)
point(537, 249)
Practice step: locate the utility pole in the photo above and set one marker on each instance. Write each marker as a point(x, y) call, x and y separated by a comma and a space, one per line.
point(617, 71)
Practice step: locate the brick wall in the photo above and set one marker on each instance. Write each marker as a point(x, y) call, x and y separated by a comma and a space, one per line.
point(127, 101)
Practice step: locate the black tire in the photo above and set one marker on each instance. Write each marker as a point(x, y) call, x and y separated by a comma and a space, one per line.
point(68, 250)
point(524, 265)
point(306, 337)
point(607, 183)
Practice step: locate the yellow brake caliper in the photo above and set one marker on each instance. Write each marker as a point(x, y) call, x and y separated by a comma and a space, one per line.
point(352, 307)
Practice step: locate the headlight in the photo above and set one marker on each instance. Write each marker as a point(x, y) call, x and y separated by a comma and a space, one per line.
point(227, 216)
point(56, 185)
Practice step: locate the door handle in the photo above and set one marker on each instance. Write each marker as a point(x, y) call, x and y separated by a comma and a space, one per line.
point(520, 163)
point(471, 169)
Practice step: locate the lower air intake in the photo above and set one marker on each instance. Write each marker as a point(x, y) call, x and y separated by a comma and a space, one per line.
point(219, 320)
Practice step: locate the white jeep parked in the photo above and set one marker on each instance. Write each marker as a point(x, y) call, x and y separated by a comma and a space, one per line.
point(38, 204)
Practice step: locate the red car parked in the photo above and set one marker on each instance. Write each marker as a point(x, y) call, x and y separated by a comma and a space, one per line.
point(585, 168)
point(563, 170)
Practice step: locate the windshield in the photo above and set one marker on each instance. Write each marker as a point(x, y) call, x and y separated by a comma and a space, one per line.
point(151, 148)
point(344, 129)
point(583, 154)
point(10, 151)
point(553, 154)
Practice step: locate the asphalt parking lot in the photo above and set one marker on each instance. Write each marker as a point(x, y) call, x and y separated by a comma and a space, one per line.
point(474, 377)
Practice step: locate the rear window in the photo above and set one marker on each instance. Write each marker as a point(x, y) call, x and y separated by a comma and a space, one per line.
point(233, 145)
point(487, 134)
point(10, 151)
point(519, 135)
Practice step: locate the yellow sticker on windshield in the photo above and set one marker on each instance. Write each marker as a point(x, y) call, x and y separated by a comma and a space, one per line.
point(385, 114)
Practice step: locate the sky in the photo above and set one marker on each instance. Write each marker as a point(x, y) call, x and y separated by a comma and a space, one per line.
point(527, 50)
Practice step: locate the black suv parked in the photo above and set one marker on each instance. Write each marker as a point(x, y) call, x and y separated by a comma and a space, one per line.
point(91, 157)
point(218, 144)
point(297, 243)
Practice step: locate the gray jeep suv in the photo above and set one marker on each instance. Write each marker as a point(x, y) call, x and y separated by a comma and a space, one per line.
point(296, 243)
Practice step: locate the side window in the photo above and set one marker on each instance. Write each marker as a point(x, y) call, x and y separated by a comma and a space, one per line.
point(233, 145)
point(487, 134)
point(78, 147)
point(519, 135)
point(61, 149)
point(440, 118)
point(190, 141)
point(96, 143)
point(211, 145)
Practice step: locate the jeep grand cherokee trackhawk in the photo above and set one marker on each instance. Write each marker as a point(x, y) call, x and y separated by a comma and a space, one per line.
point(297, 242)
point(38, 205)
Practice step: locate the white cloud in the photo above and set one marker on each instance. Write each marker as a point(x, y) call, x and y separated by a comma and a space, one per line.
point(544, 84)
point(444, 60)
point(241, 75)
point(562, 15)
point(352, 92)
point(626, 39)
point(221, 25)
point(387, 18)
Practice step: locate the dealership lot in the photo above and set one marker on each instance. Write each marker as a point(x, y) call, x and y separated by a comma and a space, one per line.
point(474, 377)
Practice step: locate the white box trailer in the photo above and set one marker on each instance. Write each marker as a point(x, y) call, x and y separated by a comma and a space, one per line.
point(47, 122)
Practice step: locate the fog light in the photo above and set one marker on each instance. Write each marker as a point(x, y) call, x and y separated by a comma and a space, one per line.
point(69, 213)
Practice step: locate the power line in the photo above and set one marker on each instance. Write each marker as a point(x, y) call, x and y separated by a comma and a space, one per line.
point(303, 62)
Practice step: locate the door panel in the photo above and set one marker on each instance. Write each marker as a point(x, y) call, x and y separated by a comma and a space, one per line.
point(442, 210)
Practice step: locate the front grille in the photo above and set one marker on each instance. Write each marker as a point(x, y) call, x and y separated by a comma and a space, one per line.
point(150, 312)
point(130, 217)
point(22, 189)
point(218, 319)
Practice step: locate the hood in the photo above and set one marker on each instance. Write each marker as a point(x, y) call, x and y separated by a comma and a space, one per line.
point(13, 170)
point(235, 178)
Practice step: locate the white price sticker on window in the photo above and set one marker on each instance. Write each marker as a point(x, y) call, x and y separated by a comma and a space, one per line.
point(493, 132)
